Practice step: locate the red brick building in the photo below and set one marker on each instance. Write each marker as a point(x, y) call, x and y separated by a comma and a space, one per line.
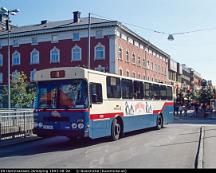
point(114, 48)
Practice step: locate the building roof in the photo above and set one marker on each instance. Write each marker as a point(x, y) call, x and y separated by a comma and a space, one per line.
point(55, 25)
point(69, 24)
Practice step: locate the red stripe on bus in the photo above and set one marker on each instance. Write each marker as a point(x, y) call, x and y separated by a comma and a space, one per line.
point(62, 110)
point(165, 104)
point(105, 115)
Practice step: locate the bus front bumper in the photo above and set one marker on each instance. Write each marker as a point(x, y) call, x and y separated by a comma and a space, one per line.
point(68, 133)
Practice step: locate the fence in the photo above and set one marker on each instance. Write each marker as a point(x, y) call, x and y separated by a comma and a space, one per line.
point(16, 123)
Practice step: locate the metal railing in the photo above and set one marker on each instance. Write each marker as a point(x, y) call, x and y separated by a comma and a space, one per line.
point(16, 123)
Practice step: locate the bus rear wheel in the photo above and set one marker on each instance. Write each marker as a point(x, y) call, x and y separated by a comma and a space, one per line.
point(116, 130)
point(159, 122)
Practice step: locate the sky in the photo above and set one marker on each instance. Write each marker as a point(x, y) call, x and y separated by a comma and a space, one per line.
point(195, 49)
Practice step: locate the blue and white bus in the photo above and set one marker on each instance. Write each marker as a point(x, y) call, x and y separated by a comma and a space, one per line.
point(78, 103)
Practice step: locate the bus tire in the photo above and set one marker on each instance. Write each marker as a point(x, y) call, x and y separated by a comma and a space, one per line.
point(159, 122)
point(116, 130)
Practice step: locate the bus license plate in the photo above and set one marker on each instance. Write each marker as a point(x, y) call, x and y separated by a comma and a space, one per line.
point(47, 127)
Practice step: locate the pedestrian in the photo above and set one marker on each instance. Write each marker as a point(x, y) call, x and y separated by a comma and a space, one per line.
point(196, 108)
point(180, 109)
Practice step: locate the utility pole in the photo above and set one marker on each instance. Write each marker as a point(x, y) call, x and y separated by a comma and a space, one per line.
point(89, 41)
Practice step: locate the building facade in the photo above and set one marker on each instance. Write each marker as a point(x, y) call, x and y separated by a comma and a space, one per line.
point(113, 48)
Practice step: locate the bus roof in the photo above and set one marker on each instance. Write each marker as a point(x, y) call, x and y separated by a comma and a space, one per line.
point(62, 73)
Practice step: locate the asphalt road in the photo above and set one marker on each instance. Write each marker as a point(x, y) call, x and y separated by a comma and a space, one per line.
point(174, 146)
point(209, 154)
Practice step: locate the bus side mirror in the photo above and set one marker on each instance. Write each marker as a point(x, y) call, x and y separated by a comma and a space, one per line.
point(94, 98)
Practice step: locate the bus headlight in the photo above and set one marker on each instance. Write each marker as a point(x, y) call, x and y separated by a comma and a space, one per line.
point(80, 125)
point(40, 125)
point(74, 125)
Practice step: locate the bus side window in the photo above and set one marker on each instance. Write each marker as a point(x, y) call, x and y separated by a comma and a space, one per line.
point(169, 93)
point(96, 93)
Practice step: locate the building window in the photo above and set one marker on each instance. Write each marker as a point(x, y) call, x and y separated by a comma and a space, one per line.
point(99, 52)
point(76, 53)
point(16, 58)
point(144, 63)
point(34, 57)
point(127, 56)
point(32, 75)
point(54, 55)
point(127, 73)
point(133, 59)
point(100, 68)
point(15, 74)
point(120, 72)
point(76, 36)
point(1, 77)
point(120, 54)
point(54, 38)
point(1, 60)
point(16, 43)
point(133, 75)
point(138, 76)
point(138, 62)
point(99, 34)
point(34, 41)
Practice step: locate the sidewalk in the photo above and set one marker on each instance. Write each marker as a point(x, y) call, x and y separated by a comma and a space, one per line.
point(192, 118)
point(20, 140)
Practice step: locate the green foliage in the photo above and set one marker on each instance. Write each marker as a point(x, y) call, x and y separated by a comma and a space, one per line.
point(21, 96)
point(22, 93)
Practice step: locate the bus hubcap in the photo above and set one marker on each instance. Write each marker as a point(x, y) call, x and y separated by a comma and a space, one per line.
point(117, 129)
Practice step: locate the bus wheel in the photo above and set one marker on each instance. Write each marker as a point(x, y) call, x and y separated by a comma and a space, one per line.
point(159, 122)
point(116, 130)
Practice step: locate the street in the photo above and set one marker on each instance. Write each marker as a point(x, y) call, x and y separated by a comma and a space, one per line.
point(174, 146)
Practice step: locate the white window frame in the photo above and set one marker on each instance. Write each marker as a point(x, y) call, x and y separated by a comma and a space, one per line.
point(139, 61)
point(34, 40)
point(95, 52)
point(14, 74)
point(120, 57)
point(38, 58)
point(100, 68)
point(127, 57)
point(72, 53)
point(58, 51)
point(15, 43)
point(19, 58)
point(120, 69)
point(54, 38)
point(74, 36)
point(1, 60)
point(32, 74)
point(127, 73)
point(133, 58)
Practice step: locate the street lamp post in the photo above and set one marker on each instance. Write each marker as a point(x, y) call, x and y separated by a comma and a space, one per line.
point(4, 10)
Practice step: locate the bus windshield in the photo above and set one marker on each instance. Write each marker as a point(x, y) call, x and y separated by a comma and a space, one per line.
point(65, 94)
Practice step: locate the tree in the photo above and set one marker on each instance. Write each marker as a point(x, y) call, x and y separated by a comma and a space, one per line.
point(22, 92)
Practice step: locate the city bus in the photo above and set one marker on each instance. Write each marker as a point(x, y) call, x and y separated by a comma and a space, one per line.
point(83, 103)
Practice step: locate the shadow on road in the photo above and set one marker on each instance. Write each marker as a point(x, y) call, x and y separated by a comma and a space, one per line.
point(55, 144)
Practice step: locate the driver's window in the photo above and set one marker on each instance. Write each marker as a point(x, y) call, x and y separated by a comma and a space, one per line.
point(96, 93)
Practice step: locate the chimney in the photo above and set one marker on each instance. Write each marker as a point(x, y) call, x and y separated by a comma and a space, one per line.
point(44, 22)
point(76, 16)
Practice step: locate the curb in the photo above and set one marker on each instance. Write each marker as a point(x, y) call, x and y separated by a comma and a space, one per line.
point(17, 141)
point(199, 159)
